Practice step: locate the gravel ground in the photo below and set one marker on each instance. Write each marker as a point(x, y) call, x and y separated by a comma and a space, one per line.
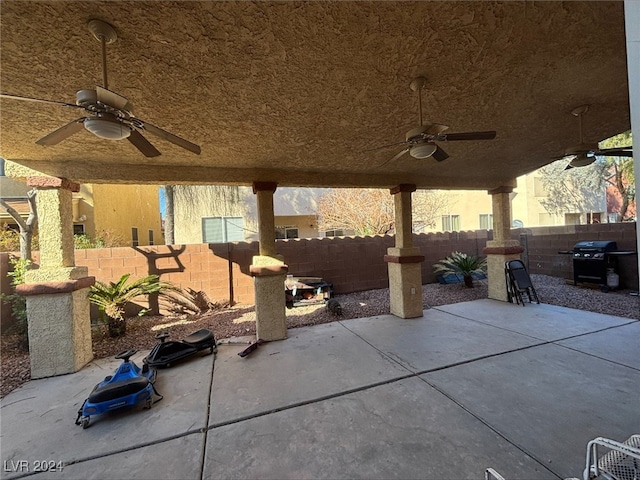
point(239, 320)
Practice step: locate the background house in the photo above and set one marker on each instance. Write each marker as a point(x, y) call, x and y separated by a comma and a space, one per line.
point(128, 213)
point(218, 214)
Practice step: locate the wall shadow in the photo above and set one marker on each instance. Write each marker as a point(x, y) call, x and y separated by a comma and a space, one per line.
point(153, 269)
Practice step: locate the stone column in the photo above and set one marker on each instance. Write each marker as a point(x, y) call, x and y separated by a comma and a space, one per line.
point(501, 249)
point(405, 274)
point(268, 270)
point(57, 292)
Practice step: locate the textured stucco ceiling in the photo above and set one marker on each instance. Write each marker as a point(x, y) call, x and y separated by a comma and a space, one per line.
point(294, 92)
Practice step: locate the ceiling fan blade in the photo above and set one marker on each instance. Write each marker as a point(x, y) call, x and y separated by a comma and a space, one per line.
point(614, 152)
point(397, 156)
point(384, 146)
point(111, 98)
point(489, 135)
point(39, 100)
point(63, 132)
point(440, 155)
point(143, 144)
point(181, 142)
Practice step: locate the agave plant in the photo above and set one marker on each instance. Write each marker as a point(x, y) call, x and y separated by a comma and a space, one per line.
point(462, 264)
point(112, 298)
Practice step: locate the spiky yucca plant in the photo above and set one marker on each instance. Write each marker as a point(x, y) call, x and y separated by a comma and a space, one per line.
point(462, 264)
point(112, 298)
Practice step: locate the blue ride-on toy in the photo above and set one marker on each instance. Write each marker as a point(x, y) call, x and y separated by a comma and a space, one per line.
point(128, 386)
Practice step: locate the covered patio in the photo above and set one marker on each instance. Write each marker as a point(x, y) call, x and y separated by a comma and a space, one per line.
point(302, 94)
point(467, 386)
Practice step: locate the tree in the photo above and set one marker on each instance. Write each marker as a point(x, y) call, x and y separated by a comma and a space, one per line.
point(365, 211)
point(27, 226)
point(619, 175)
point(574, 190)
point(169, 218)
point(429, 205)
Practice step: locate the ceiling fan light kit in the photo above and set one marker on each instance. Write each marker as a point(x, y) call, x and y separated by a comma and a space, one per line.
point(107, 128)
point(420, 142)
point(422, 150)
point(109, 114)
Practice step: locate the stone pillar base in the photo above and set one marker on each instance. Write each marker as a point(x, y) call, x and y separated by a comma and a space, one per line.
point(59, 326)
point(269, 275)
point(405, 282)
point(496, 258)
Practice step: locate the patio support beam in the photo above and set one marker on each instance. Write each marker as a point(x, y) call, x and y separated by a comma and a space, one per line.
point(57, 292)
point(632, 31)
point(268, 270)
point(405, 272)
point(501, 249)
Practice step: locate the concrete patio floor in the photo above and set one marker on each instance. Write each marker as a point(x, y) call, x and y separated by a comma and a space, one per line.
point(468, 386)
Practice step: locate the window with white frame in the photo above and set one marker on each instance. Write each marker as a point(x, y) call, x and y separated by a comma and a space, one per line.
point(334, 233)
point(450, 223)
point(283, 232)
point(222, 229)
point(486, 221)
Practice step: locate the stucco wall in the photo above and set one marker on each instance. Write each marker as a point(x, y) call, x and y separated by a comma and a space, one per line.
point(118, 208)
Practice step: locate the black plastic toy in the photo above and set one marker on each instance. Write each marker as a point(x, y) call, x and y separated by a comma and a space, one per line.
point(165, 354)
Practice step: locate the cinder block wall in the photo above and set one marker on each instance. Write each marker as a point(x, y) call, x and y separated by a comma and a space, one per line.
point(542, 245)
point(350, 263)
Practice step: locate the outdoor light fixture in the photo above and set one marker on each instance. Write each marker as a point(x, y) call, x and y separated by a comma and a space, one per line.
point(422, 150)
point(107, 128)
point(582, 160)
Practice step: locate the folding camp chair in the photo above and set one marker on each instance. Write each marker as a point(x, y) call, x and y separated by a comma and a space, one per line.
point(519, 283)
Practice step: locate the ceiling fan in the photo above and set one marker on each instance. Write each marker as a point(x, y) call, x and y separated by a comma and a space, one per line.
point(420, 141)
point(585, 154)
point(108, 114)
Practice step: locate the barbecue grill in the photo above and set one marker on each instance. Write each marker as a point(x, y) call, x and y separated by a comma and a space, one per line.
point(593, 259)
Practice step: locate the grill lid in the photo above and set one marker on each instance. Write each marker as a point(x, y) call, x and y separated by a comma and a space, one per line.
point(600, 246)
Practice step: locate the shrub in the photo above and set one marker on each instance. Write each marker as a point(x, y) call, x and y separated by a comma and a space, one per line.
point(462, 264)
point(103, 239)
point(18, 302)
point(112, 298)
point(10, 240)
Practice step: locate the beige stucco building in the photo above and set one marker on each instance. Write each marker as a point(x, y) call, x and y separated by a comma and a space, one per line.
point(472, 210)
point(129, 214)
point(216, 214)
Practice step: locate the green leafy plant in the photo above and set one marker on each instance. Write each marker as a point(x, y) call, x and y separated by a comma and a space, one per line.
point(461, 264)
point(112, 298)
point(18, 302)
